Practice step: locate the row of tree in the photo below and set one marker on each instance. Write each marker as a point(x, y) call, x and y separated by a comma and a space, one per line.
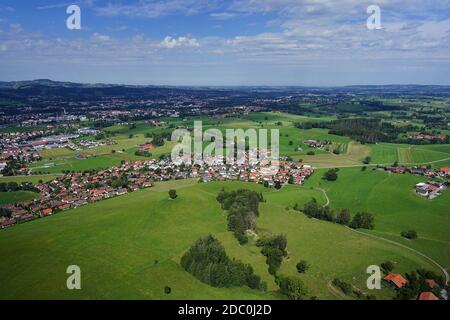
point(207, 261)
point(14, 186)
point(363, 220)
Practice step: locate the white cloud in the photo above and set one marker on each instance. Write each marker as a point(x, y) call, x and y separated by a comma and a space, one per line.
point(170, 43)
point(100, 37)
point(157, 8)
point(16, 27)
point(223, 15)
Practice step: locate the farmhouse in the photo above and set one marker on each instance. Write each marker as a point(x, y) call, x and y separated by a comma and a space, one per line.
point(445, 171)
point(430, 190)
point(431, 283)
point(395, 280)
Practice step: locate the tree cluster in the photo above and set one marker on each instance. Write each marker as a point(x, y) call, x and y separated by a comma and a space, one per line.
point(14, 186)
point(242, 206)
point(274, 249)
point(207, 261)
point(363, 220)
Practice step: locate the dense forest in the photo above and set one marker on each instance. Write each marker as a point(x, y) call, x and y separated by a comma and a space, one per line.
point(207, 261)
point(369, 130)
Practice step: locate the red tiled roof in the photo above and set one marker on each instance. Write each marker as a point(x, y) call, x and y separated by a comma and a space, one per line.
point(396, 279)
point(431, 283)
point(427, 296)
point(445, 169)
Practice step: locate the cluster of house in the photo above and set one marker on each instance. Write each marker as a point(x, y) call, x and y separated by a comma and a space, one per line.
point(431, 189)
point(317, 144)
point(269, 173)
point(397, 281)
point(76, 189)
point(84, 144)
point(444, 172)
point(25, 155)
point(429, 136)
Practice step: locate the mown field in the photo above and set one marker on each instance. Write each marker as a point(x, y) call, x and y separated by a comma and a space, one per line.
point(19, 196)
point(129, 247)
point(16, 196)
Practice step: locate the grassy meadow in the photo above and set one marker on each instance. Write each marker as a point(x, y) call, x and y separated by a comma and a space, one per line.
point(130, 247)
point(396, 206)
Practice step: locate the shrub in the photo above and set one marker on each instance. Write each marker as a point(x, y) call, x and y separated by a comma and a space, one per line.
point(411, 234)
point(387, 266)
point(173, 194)
point(302, 266)
point(293, 288)
point(331, 175)
point(344, 286)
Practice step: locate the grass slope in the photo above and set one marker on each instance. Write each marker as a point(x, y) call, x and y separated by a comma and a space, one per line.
point(130, 246)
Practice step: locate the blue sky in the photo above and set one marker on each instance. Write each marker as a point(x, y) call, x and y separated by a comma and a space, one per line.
point(234, 42)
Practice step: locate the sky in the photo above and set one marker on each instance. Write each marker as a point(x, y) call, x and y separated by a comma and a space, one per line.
point(227, 42)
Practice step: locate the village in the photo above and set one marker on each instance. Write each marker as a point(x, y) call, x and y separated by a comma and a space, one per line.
point(77, 189)
point(430, 189)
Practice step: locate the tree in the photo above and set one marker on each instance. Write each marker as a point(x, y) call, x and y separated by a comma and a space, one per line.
point(387, 266)
point(173, 194)
point(291, 179)
point(302, 266)
point(12, 186)
point(367, 160)
point(293, 288)
point(331, 175)
point(167, 290)
point(363, 220)
point(411, 234)
point(343, 217)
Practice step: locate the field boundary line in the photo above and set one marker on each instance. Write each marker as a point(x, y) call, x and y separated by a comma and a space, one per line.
point(406, 247)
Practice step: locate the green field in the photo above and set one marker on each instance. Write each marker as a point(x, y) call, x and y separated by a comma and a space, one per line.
point(130, 247)
point(16, 196)
point(387, 153)
point(393, 201)
point(33, 179)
